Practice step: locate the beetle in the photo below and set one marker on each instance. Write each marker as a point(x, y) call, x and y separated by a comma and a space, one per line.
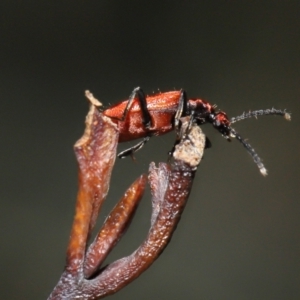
point(143, 117)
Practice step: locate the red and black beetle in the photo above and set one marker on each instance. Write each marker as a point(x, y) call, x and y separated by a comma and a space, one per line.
point(143, 117)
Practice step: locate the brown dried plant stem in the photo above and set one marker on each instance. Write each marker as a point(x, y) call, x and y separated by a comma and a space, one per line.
point(170, 187)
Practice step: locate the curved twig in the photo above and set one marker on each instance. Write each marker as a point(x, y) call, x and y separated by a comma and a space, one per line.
point(170, 187)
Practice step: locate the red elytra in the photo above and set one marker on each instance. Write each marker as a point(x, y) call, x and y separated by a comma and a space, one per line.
point(162, 108)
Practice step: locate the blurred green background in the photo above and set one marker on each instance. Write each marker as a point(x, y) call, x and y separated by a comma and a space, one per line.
point(239, 234)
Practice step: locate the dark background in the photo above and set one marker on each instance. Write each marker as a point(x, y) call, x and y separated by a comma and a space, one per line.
point(239, 234)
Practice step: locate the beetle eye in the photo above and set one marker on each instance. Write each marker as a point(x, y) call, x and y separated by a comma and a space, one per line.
point(212, 118)
point(217, 123)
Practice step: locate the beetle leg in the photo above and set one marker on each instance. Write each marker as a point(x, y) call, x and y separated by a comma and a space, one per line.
point(181, 111)
point(138, 94)
point(134, 148)
point(207, 143)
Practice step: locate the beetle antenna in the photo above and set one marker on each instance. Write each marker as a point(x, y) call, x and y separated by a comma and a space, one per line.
point(251, 151)
point(262, 112)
